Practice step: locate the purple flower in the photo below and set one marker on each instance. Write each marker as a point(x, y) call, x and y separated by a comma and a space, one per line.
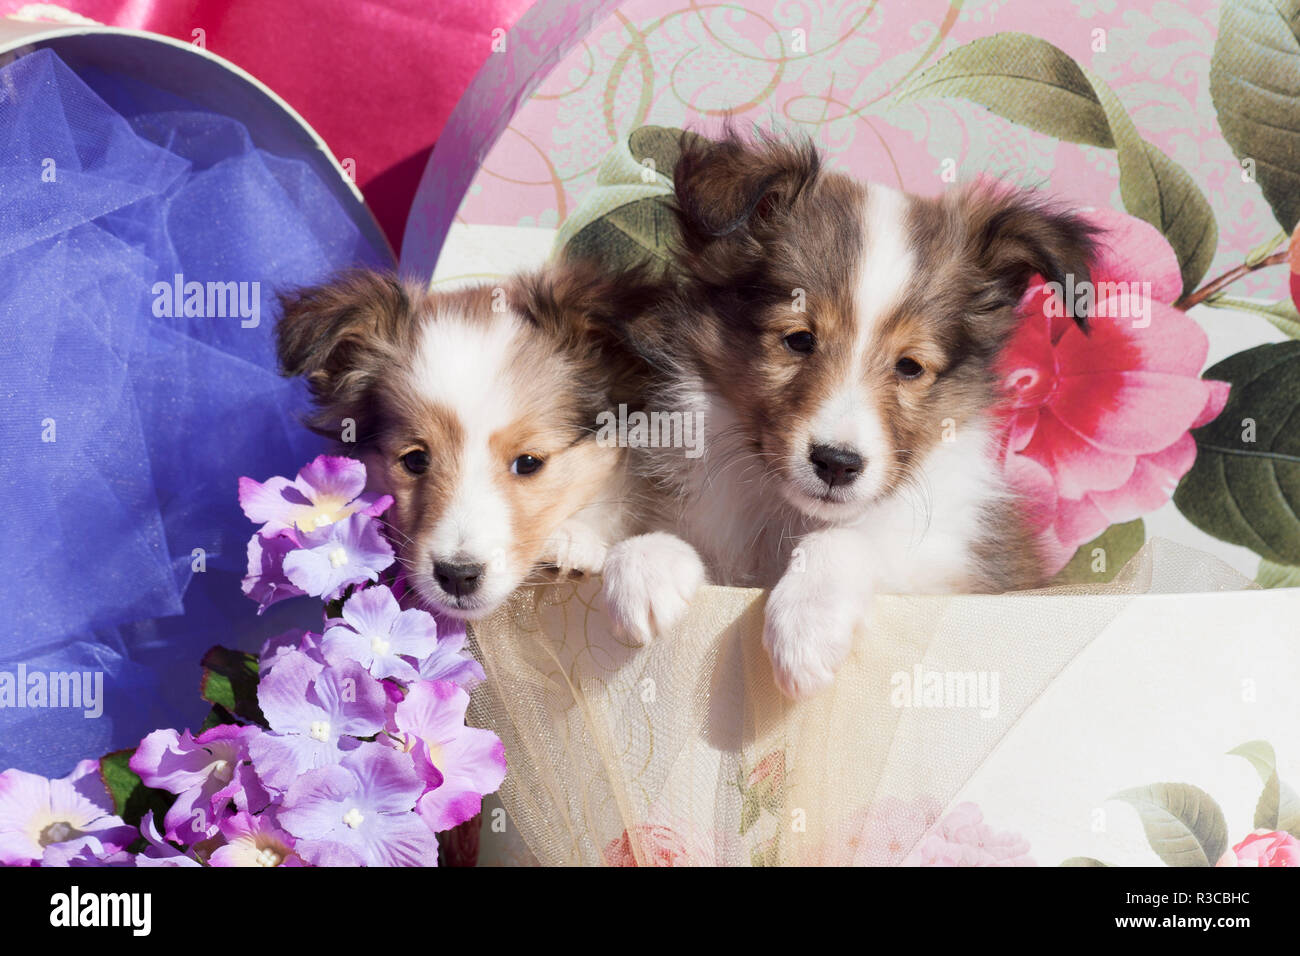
point(358, 813)
point(287, 643)
point(447, 663)
point(255, 841)
point(265, 581)
point(159, 851)
point(315, 712)
point(37, 814)
point(328, 490)
point(85, 851)
point(326, 561)
point(378, 634)
point(459, 764)
point(207, 773)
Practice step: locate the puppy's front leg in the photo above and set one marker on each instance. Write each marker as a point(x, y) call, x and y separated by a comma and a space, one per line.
point(814, 611)
point(650, 581)
point(575, 546)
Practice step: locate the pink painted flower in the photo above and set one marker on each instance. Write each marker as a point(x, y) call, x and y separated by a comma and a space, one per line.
point(1097, 428)
point(658, 844)
point(1294, 259)
point(328, 490)
point(962, 838)
point(1264, 848)
point(882, 835)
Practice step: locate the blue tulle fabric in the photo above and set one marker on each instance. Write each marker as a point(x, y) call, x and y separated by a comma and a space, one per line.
point(124, 433)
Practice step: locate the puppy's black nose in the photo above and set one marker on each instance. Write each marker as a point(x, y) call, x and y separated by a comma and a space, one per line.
point(457, 579)
point(835, 466)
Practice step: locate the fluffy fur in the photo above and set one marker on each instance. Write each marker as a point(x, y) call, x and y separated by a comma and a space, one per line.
point(453, 397)
point(840, 340)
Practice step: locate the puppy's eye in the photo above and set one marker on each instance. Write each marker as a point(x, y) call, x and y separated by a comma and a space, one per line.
point(908, 367)
point(526, 465)
point(802, 342)
point(416, 462)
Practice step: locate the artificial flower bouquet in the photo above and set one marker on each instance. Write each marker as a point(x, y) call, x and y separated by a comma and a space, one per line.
point(346, 747)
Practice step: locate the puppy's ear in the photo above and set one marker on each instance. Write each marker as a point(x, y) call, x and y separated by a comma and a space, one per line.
point(340, 336)
point(733, 193)
point(591, 312)
point(578, 301)
point(1013, 235)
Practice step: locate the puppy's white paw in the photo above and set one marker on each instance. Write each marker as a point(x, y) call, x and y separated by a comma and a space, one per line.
point(574, 546)
point(808, 631)
point(650, 581)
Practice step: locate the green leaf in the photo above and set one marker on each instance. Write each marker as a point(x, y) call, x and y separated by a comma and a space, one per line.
point(1024, 79)
point(1248, 492)
point(230, 681)
point(1279, 806)
point(1156, 189)
point(1282, 314)
point(1272, 575)
point(750, 810)
point(131, 798)
point(661, 144)
point(1035, 84)
point(1255, 85)
point(627, 234)
point(1183, 824)
point(1082, 861)
point(1118, 543)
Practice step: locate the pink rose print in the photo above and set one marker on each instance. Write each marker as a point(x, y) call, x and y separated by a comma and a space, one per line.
point(659, 845)
point(1264, 848)
point(962, 838)
point(1097, 429)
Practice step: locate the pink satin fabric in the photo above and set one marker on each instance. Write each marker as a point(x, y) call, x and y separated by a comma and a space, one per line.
point(376, 79)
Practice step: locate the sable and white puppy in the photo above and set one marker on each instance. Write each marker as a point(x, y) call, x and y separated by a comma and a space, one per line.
point(840, 341)
point(475, 410)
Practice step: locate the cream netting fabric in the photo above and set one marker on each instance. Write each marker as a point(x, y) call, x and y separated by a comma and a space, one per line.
point(685, 753)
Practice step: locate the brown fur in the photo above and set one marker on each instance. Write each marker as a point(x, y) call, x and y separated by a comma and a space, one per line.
point(760, 219)
point(355, 340)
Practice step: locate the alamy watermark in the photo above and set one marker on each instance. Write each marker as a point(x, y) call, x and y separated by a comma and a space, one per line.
point(1102, 300)
point(209, 300)
point(56, 689)
point(651, 429)
point(946, 689)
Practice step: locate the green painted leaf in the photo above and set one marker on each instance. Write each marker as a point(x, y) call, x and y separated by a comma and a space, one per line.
point(1183, 824)
point(1156, 189)
point(662, 144)
point(751, 808)
point(627, 234)
point(1282, 314)
point(1024, 79)
point(1279, 806)
point(1119, 542)
point(1082, 861)
point(1255, 85)
point(1248, 493)
point(627, 218)
point(131, 798)
point(230, 681)
point(1033, 83)
point(1272, 575)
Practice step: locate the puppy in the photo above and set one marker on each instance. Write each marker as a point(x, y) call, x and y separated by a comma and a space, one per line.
point(840, 341)
point(475, 410)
